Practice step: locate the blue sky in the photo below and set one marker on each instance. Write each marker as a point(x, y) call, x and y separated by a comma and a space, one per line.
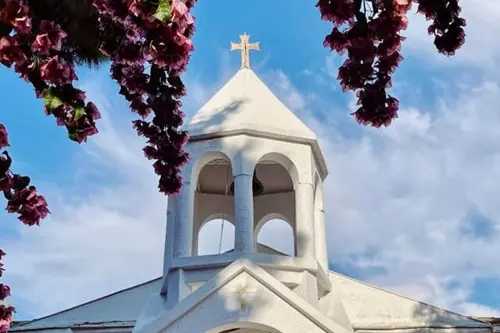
point(412, 208)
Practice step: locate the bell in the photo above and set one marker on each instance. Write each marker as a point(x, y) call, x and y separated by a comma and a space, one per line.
point(257, 186)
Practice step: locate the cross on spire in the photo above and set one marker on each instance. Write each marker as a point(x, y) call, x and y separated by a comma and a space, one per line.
point(245, 46)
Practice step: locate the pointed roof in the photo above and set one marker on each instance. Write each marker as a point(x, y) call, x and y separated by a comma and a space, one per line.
point(245, 103)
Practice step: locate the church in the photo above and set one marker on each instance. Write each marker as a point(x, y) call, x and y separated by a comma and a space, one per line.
point(252, 161)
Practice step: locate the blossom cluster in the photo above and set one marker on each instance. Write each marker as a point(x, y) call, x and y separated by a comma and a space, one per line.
point(135, 33)
point(23, 199)
point(36, 57)
point(6, 311)
point(370, 32)
point(158, 37)
point(34, 53)
point(447, 26)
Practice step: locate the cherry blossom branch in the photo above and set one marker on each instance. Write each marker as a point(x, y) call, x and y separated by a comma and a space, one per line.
point(369, 30)
point(22, 199)
point(36, 56)
point(134, 32)
point(158, 34)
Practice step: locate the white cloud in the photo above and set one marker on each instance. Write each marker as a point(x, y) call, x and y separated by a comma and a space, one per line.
point(481, 48)
point(399, 196)
point(479, 310)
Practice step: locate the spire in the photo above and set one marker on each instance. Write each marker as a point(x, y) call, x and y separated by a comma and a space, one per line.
point(245, 103)
point(245, 46)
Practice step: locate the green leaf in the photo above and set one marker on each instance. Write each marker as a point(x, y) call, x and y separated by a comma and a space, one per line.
point(164, 12)
point(51, 100)
point(72, 136)
point(79, 112)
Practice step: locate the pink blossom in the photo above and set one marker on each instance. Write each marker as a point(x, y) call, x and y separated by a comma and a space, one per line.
point(16, 13)
point(50, 37)
point(4, 291)
point(10, 52)
point(4, 138)
point(55, 72)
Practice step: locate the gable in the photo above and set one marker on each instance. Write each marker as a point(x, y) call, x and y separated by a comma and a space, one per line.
point(263, 308)
point(123, 306)
point(218, 303)
point(373, 308)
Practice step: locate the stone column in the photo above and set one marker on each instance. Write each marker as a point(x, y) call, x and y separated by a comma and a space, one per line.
point(169, 237)
point(304, 224)
point(184, 213)
point(243, 211)
point(320, 238)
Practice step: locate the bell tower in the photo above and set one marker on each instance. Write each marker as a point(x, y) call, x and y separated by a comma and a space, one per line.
point(251, 161)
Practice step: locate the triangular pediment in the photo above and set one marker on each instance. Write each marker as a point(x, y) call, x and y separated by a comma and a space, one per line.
point(219, 303)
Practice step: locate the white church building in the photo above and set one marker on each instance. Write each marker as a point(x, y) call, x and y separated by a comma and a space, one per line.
point(252, 161)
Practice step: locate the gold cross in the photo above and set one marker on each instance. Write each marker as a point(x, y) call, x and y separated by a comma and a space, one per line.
point(243, 290)
point(245, 46)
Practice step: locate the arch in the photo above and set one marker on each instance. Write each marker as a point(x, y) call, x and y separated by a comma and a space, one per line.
point(285, 162)
point(213, 176)
point(209, 236)
point(202, 161)
point(279, 176)
point(271, 225)
point(259, 328)
point(267, 218)
point(217, 216)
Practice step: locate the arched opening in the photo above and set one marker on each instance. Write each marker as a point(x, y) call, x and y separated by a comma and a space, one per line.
point(216, 236)
point(276, 234)
point(274, 209)
point(214, 206)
